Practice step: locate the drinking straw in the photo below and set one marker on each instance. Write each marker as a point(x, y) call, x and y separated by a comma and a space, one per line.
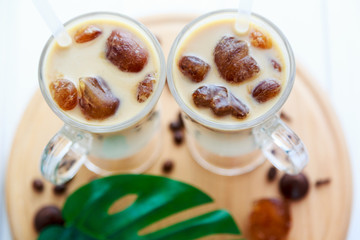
point(243, 20)
point(53, 22)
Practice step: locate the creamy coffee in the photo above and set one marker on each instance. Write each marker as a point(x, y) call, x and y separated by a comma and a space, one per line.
point(113, 66)
point(229, 77)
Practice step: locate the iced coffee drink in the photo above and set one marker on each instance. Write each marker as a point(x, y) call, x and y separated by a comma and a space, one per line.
point(230, 85)
point(106, 76)
point(105, 87)
point(229, 77)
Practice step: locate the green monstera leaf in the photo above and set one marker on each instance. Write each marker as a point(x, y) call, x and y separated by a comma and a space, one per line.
point(86, 211)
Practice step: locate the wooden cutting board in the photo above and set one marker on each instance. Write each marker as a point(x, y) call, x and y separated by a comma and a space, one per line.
point(323, 215)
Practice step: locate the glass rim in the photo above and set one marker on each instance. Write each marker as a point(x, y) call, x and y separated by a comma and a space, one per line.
point(232, 126)
point(105, 128)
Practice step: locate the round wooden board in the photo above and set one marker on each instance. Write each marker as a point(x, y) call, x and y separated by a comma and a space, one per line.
point(323, 215)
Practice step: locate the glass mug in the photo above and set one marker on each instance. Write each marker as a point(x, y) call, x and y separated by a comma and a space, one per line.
point(234, 149)
point(130, 146)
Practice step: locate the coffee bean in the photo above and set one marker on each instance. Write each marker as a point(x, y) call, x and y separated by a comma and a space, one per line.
point(271, 175)
point(285, 117)
point(46, 216)
point(322, 182)
point(168, 166)
point(180, 119)
point(294, 187)
point(178, 137)
point(59, 189)
point(175, 126)
point(38, 185)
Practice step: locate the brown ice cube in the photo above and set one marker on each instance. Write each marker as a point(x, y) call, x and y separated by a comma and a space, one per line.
point(270, 219)
point(87, 33)
point(266, 90)
point(220, 101)
point(203, 96)
point(126, 51)
point(233, 61)
point(260, 40)
point(276, 65)
point(194, 68)
point(239, 109)
point(145, 88)
point(64, 93)
point(96, 99)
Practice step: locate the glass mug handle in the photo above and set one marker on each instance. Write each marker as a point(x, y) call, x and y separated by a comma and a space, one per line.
point(64, 154)
point(281, 146)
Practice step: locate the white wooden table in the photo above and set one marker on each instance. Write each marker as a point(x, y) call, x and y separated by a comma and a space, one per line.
point(324, 35)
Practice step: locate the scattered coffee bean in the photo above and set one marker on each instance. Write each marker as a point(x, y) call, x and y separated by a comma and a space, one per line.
point(294, 187)
point(49, 215)
point(271, 175)
point(175, 126)
point(285, 117)
point(38, 185)
point(178, 137)
point(181, 121)
point(59, 189)
point(168, 166)
point(322, 182)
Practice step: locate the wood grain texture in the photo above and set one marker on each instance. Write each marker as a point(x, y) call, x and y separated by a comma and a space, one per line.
point(323, 215)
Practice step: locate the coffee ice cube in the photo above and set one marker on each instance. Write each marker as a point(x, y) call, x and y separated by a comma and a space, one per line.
point(194, 68)
point(220, 101)
point(269, 219)
point(64, 93)
point(126, 51)
point(145, 88)
point(96, 99)
point(260, 40)
point(233, 61)
point(266, 90)
point(276, 65)
point(203, 96)
point(239, 109)
point(87, 34)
